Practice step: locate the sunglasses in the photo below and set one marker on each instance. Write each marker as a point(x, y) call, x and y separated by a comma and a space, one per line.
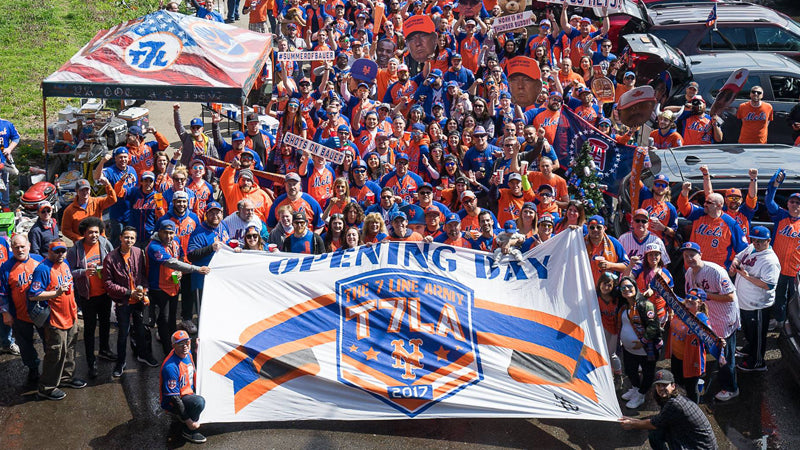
point(757, 92)
point(386, 197)
point(692, 298)
point(198, 167)
point(337, 216)
point(450, 164)
point(557, 100)
point(425, 192)
point(251, 236)
point(298, 221)
point(179, 180)
point(733, 197)
point(468, 200)
point(545, 194)
point(641, 220)
point(59, 251)
point(595, 227)
point(626, 287)
point(660, 185)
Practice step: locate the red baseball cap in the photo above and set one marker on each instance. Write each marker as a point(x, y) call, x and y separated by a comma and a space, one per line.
point(418, 23)
point(526, 66)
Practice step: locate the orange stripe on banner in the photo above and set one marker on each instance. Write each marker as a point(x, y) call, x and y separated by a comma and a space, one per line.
point(593, 356)
point(389, 381)
point(294, 311)
point(559, 323)
point(576, 385)
point(465, 360)
point(409, 403)
point(447, 387)
point(230, 360)
point(291, 347)
point(261, 386)
point(528, 347)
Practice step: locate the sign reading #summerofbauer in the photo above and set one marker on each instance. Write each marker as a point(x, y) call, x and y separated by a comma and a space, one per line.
point(612, 5)
point(404, 330)
point(314, 148)
point(512, 22)
point(306, 56)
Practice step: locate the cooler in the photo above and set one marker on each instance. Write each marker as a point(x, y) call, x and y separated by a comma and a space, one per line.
point(7, 223)
point(136, 116)
point(116, 132)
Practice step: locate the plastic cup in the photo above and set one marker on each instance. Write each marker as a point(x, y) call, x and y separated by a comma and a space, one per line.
point(233, 243)
point(176, 277)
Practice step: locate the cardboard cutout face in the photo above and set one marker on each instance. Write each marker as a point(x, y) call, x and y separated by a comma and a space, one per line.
point(420, 34)
point(636, 106)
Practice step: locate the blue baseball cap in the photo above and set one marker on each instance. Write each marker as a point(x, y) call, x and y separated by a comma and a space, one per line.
point(418, 127)
point(399, 215)
point(452, 218)
point(691, 246)
point(415, 214)
point(697, 292)
point(166, 225)
point(510, 226)
point(529, 205)
point(360, 163)
point(629, 74)
point(662, 177)
point(343, 128)
point(135, 130)
point(400, 156)
point(505, 94)
point(604, 121)
point(436, 73)
point(425, 186)
point(597, 219)
point(196, 122)
point(456, 56)
point(213, 205)
point(759, 232)
point(120, 151)
point(237, 136)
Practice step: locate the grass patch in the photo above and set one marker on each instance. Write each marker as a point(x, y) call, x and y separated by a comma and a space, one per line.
point(36, 38)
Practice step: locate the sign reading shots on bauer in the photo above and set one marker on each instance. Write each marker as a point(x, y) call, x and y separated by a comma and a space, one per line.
point(312, 147)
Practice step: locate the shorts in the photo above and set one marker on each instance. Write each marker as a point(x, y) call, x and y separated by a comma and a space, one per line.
point(258, 27)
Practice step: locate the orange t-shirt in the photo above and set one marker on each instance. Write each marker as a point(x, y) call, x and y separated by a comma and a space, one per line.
point(383, 81)
point(754, 122)
point(548, 120)
point(559, 184)
point(96, 286)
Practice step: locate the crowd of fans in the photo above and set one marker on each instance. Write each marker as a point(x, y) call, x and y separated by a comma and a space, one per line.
point(449, 143)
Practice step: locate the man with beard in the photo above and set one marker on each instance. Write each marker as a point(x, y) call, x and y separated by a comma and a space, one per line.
point(510, 201)
point(299, 202)
point(458, 73)
point(586, 108)
point(741, 212)
point(431, 91)
point(401, 90)
point(420, 34)
point(547, 117)
point(524, 81)
point(194, 143)
point(535, 146)
point(470, 215)
point(755, 116)
point(679, 424)
point(402, 181)
point(362, 189)
point(384, 51)
point(666, 136)
point(257, 139)
point(698, 127)
point(144, 207)
point(452, 233)
point(484, 239)
point(243, 188)
point(119, 212)
point(328, 127)
point(387, 75)
point(480, 158)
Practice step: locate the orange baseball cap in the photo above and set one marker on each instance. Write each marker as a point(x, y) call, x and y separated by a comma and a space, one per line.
point(733, 192)
point(524, 65)
point(418, 23)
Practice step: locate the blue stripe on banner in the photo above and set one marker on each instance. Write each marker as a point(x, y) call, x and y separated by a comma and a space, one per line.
point(302, 326)
point(585, 367)
point(525, 330)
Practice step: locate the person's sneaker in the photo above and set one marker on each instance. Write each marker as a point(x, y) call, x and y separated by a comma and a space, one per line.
point(724, 396)
point(108, 355)
point(741, 354)
point(12, 349)
point(93, 370)
point(631, 391)
point(189, 326)
point(55, 394)
point(773, 325)
point(118, 369)
point(194, 437)
point(744, 366)
point(150, 361)
point(75, 383)
point(637, 400)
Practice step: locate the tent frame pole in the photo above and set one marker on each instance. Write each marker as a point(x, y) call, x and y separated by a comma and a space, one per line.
point(46, 153)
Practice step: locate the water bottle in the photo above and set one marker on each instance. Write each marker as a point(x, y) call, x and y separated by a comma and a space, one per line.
point(701, 387)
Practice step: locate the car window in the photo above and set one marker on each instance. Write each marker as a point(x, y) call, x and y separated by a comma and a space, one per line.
point(752, 80)
point(785, 88)
point(672, 36)
point(775, 39)
point(728, 38)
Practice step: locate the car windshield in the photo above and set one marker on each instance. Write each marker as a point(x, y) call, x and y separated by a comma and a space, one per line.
point(792, 27)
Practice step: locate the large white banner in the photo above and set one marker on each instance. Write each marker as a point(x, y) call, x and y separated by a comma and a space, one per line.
point(404, 330)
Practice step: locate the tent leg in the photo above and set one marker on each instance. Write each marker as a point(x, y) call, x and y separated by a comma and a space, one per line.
point(46, 153)
point(243, 121)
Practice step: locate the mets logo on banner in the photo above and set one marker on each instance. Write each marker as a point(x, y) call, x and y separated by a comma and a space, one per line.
point(406, 338)
point(153, 52)
point(598, 150)
point(216, 40)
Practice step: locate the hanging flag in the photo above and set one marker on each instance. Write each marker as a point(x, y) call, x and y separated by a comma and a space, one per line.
point(404, 330)
point(711, 21)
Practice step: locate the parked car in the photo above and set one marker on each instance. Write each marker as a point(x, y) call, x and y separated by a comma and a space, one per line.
point(790, 335)
point(739, 27)
point(777, 74)
point(728, 165)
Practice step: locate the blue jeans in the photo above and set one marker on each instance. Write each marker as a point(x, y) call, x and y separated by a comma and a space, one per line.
point(783, 292)
point(727, 373)
point(233, 9)
point(193, 405)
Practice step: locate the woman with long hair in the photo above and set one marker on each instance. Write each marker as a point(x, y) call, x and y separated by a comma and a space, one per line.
point(451, 197)
point(466, 138)
point(375, 168)
point(432, 166)
point(162, 169)
point(290, 121)
point(450, 126)
point(608, 297)
point(416, 115)
point(685, 349)
point(454, 146)
point(483, 117)
point(436, 134)
point(343, 170)
point(574, 216)
point(584, 69)
point(334, 232)
point(651, 266)
point(353, 215)
point(374, 230)
point(540, 55)
point(640, 336)
point(340, 198)
point(469, 121)
point(449, 174)
point(442, 53)
point(526, 222)
point(253, 240)
point(352, 238)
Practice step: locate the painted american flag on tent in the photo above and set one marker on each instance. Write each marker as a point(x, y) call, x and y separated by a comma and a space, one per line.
point(169, 49)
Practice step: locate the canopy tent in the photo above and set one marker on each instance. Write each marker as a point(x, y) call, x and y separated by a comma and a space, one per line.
point(165, 56)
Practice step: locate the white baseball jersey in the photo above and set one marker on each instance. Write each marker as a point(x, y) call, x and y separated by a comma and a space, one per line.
point(764, 266)
point(237, 226)
point(714, 279)
point(634, 247)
